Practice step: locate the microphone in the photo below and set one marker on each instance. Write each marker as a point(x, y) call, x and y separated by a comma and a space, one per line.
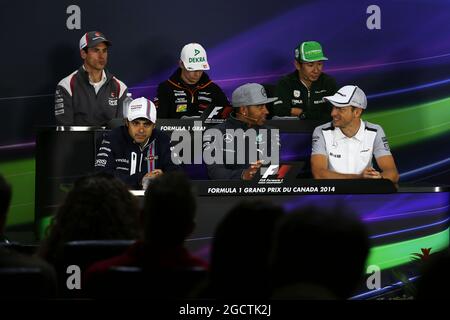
point(250, 118)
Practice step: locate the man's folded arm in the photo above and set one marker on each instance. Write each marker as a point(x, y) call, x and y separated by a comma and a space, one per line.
point(319, 168)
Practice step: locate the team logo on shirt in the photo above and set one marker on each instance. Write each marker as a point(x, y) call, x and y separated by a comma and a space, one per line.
point(112, 100)
point(204, 98)
point(228, 138)
point(335, 155)
point(259, 138)
point(297, 93)
point(181, 108)
point(181, 100)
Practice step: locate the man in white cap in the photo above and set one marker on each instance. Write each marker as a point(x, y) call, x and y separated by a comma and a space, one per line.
point(301, 92)
point(249, 112)
point(189, 91)
point(344, 147)
point(136, 151)
point(91, 95)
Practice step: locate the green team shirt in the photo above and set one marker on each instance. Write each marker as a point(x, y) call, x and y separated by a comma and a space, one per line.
point(292, 93)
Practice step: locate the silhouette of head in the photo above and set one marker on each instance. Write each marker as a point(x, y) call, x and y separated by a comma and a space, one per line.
point(169, 210)
point(327, 248)
point(99, 207)
point(241, 248)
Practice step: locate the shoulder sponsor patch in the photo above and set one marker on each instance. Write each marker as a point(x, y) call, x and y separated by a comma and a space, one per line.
point(385, 143)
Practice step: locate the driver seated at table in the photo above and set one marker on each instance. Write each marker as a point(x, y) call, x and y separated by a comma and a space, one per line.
point(344, 147)
point(136, 152)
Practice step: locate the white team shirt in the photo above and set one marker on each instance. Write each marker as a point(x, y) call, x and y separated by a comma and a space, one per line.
point(350, 155)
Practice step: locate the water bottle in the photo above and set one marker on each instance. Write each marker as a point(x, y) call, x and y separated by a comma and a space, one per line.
point(126, 103)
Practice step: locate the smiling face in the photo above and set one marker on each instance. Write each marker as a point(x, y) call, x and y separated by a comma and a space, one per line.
point(96, 57)
point(140, 130)
point(344, 117)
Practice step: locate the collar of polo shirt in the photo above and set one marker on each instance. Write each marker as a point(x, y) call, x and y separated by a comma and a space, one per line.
point(338, 134)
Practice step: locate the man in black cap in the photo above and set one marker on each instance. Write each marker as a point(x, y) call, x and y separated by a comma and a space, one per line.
point(248, 117)
point(90, 96)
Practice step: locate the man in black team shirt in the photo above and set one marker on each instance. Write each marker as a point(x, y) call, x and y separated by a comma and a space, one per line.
point(189, 91)
point(301, 92)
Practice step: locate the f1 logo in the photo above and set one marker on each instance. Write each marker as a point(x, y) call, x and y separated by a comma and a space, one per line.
point(214, 112)
point(271, 170)
point(276, 169)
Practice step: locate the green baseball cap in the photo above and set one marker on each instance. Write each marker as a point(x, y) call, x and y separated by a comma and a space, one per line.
point(309, 51)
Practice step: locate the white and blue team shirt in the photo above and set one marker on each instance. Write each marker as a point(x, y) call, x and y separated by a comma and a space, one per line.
point(350, 155)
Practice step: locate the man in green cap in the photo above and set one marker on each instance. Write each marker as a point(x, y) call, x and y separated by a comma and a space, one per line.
point(301, 92)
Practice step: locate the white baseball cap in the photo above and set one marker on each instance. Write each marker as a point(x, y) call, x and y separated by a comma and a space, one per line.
point(141, 108)
point(194, 57)
point(348, 96)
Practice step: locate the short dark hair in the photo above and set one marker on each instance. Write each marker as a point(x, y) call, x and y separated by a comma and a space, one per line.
point(241, 245)
point(311, 241)
point(169, 209)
